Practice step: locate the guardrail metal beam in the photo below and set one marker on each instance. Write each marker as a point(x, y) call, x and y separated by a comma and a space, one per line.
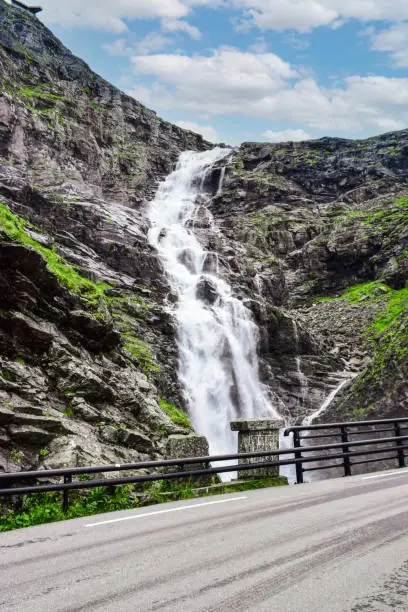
point(399, 444)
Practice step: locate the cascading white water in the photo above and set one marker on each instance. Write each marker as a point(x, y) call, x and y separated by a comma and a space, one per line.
point(322, 409)
point(329, 399)
point(302, 378)
point(221, 181)
point(217, 338)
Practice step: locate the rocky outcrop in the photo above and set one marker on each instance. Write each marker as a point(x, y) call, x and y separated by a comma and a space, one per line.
point(87, 346)
point(303, 224)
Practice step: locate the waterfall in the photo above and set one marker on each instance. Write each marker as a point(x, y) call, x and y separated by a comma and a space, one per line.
point(302, 379)
point(301, 376)
point(217, 339)
point(309, 419)
point(287, 470)
point(322, 409)
point(221, 182)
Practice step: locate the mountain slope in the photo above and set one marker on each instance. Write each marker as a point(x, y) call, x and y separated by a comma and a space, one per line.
point(317, 235)
point(312, 236)
point(87, 347)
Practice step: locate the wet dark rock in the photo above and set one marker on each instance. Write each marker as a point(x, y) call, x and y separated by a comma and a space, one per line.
point(210, 265)
point(97, 335)
point(37, 336)
point(187, 258)
point(135, 439)
point(207, 291)
point(30, 435)
point(84, 411)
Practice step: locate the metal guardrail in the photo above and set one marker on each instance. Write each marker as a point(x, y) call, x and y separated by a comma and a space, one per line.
point(396, 444)
point(344, 431)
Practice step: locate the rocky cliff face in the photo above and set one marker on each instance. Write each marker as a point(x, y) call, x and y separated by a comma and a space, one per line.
point(316, 235)
point(87, 346)
point(313, 236)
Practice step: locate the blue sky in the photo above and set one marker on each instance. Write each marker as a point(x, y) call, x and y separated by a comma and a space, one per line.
point(239, 70)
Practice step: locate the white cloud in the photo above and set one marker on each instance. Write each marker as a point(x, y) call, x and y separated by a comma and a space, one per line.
point(207, 131)
point(111, 15)
point(225, 82)
point(300, 15)
point(395, 41)
point(371, 10)
point(152, 42)
point(262, 85)
point(388, 124)
point(378, 90)
point(155, 97)
point(303, 15)
point(119, 47)
point(208, 3)
point(108, 15)
point(228, 76)
point(179, 25)
point(287, 135)
point(362, 103)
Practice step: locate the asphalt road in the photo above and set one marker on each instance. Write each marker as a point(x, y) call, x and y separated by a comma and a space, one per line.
point(331, 546)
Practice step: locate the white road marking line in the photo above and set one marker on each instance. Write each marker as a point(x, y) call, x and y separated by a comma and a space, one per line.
point(190, 507)
point(396, 473)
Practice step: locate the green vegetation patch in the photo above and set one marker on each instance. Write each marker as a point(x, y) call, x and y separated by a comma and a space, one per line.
point(40, 92)
point(395, 302)
point(386, 338)
point(357, 414)
point(23, 51)
point(15, 228)
point(42, 508)
point(390, 217)
point(128, 311)
point(392, 302)
point(244, 485)
point(39, 99)
point(163, 491)
point(6, 375)
point(389, 356)
point(139, 352)
point(264, 223)
point(15, 455)
point(135, 305)
point(175, 414)
point(93, 102)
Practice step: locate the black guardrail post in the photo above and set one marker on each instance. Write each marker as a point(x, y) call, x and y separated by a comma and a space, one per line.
point(346, 458)
point(65, 494)
point(400, 451)
point(298, 455)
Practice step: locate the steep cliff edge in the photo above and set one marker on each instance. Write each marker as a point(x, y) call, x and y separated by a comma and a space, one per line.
point(87, 347)
point(316, 233)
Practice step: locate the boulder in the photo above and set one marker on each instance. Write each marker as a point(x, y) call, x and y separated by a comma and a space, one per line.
point(207, 291)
